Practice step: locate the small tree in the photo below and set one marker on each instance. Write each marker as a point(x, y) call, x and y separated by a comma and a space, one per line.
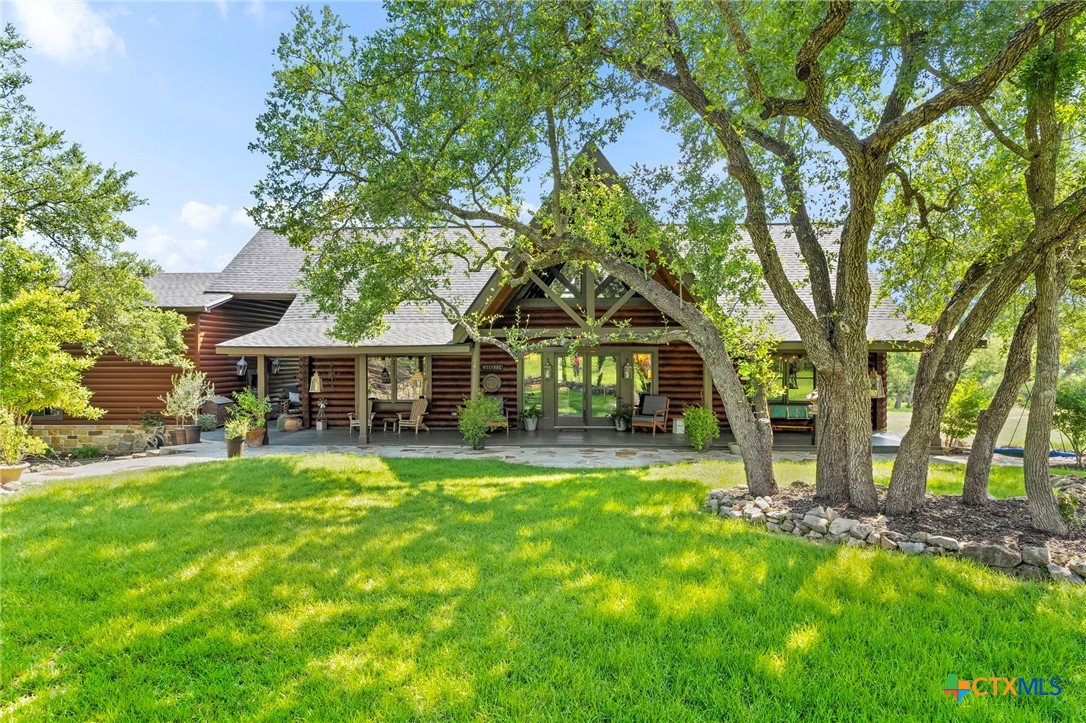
point(247, 405)
point(191, 390)
point(701, 426)
point(1070, 417)
point(960, 420)
point(474, 418)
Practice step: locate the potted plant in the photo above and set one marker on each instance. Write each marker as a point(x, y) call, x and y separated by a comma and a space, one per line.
point(235, 432)
point(475, 417)
point(702, 427)
point(191, 390)
point(621, 416)
point(530, 416)
point(16, 443)
point(249, 406)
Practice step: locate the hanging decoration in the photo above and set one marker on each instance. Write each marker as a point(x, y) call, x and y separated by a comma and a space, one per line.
point(386, 378)
point(276, 365)
point(242, 367)
point(315, 385)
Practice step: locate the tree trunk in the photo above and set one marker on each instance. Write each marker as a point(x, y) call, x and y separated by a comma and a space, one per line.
point(831, 473)
point(1043, 509)
point(991, 420)
point(908, 481)
point(752, 432)
point(861, 483)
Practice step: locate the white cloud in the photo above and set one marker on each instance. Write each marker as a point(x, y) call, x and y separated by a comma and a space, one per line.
point(68, 32)
point(241, 218)
point(174, 253)
point(201, 216)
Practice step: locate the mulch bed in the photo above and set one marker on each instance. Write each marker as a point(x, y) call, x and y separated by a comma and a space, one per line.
point(1000, 522)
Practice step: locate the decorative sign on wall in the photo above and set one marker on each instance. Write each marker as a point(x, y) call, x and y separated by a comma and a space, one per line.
point(492, 383)
point(492, 367)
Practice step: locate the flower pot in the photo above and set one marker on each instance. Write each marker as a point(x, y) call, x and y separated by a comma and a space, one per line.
point(192, 433)
point(11, 472)
point(706, 445)
point(177, 436)
point(678, 426)
point(620, 425)
point(234, 447)
point(530, 423)
point(255, 437)
point(734, 449)
point(321, 424)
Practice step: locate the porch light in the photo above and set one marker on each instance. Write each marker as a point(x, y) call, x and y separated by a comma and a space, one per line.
point(241, 367)
point(627, 370)
point(276, 365)
point(315, 384)
point(546, 370)
point(386, 378)
point(417, 381)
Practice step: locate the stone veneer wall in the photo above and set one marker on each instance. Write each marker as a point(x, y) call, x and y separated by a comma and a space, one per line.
point(111, 438)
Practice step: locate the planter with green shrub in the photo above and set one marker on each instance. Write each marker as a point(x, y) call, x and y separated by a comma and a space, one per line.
point(621, 416)
point(191, 390)
point(531, 416)
point(702, 427)
point(474, 418)
point(207, 422)
point(16, 444)
point(235, 432)
point(247, 405)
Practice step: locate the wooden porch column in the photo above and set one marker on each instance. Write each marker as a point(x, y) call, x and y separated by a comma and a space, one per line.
point(706, 386)
point(261, 377)
point(475, 370)
point(361, 395)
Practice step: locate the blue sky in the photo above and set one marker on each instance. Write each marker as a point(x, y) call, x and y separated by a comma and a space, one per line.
point(172, 90)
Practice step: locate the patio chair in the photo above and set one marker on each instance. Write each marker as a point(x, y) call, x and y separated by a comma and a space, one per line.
point(355, 423)
point(505, 421)
point(413, 419)
point(653, 414)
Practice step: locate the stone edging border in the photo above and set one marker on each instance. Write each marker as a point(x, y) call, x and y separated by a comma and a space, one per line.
point(824, 524)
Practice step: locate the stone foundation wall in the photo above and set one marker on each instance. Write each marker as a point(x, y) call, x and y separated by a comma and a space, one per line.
point(111, 438)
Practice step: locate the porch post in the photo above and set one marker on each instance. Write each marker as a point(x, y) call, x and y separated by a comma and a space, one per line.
point(360, 387)
point(475, 369)
point(261, 377)
point(706, 386)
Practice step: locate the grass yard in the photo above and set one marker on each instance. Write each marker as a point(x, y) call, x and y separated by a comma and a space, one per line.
point(340, 587)
point(1013, 433)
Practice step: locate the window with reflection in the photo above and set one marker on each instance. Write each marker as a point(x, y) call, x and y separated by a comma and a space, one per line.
point(396, 378)
point(797, 378)
point(533, 380)
point(643, 376)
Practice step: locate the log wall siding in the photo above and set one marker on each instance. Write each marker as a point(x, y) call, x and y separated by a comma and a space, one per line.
point(124, 389)
point(450, 385)
point(552, 317)
point(337, 386)
point(229, 321)
point(287, 376)
point(681, 379)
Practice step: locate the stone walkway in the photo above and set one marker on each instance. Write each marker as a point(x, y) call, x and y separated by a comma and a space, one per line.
point(565, 458)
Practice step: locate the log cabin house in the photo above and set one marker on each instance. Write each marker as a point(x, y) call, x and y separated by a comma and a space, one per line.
point(254, 310)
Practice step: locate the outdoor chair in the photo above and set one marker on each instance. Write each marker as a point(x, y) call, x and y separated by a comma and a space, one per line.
point(355, 423)
point(653, 414)
point(413, 419)
point(505, 422)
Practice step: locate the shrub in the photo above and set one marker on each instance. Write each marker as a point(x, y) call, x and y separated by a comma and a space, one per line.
point(1068, 503)
point(151, 420)
point(237, 427)
point(701, 425)
point(474, 418)
point(16, 442)
point(248, 405)
point(191, 390)
point(1070, 417)
point(960, 419)
point(207, 422)
point(88, 451)
point(532, 411)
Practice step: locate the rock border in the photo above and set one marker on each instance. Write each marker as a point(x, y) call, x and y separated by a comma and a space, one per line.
point(824, 524)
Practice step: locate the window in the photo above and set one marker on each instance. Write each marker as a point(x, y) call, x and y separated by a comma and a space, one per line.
point(642, 368)
point(396, 378)
point(798, 378)
point(533, 380)
point(46, 414)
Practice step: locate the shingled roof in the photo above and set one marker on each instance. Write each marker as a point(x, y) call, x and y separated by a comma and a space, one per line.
point(302, 327)
point(185, 292)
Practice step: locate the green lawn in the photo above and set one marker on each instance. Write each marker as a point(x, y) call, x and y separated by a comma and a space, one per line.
point(329, 587)
point(1013, 433)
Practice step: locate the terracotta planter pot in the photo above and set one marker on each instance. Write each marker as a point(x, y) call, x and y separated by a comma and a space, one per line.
point(234, 447)
point(255, 437)
point(11, 472)
point(192, 433)
point(176, 436)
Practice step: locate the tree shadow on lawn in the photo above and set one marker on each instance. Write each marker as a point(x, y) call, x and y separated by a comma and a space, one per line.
point(336, 586)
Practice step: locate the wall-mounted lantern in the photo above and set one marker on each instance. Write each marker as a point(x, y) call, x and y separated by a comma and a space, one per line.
point(242, 367)
point(417, 380)
point(276, 365)
point(546, 370)
point(315, 385)
point(627, 370)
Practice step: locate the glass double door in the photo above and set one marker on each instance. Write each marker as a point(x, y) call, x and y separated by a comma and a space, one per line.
point(582, 390)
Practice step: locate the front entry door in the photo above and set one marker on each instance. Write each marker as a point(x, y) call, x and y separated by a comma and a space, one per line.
point(584, 387)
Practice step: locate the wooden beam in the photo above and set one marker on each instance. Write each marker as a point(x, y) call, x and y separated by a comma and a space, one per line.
point(616, 306)
point(560, 301)
point(475, 349)
point(261, 377)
